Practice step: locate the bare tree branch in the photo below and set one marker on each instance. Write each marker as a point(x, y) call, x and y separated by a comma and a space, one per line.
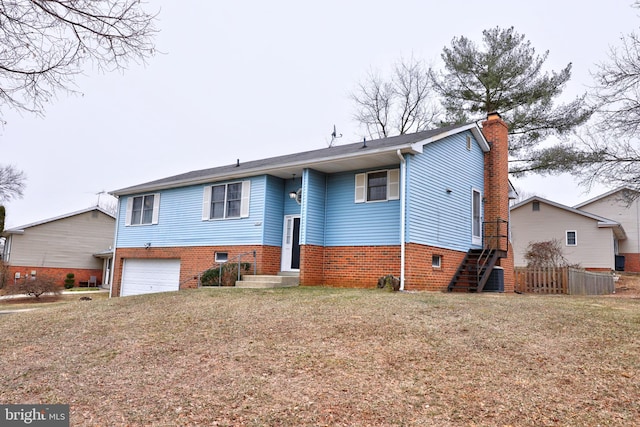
point(12, 183)
point(397, 106)
point(45, 43)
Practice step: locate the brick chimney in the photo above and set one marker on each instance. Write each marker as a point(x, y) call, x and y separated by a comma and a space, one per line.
point(496, 192)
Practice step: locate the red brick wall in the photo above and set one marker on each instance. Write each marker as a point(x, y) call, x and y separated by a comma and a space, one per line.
point(631, 262)
point(359, 266)
point(195, 260)
point(311, 265)
point(420, 274)
point(362, 266)
point(57, 274)
point(496, 184)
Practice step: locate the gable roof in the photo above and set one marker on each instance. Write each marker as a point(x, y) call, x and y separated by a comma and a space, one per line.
point(601, 221)
point(20, 230)
point(360, 155)
point(623, 189)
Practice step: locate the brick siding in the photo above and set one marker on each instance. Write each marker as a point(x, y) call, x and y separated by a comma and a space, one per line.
point(496, 184)
point(56, 273)
point(195, 260)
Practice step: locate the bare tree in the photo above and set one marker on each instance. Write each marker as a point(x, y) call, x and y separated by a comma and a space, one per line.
point(45, 43)
point(546, 254)
point(12, 182)
point(618, 87)
point(399, 105)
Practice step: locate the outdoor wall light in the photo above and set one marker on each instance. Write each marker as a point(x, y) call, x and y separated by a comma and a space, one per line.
point(293, 194)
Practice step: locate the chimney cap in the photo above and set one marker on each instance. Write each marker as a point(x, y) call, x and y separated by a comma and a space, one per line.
point(493, 115)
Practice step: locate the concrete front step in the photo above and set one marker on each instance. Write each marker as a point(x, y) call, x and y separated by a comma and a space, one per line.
point(263, 281)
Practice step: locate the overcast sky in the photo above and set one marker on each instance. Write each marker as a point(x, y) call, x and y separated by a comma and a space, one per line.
point(256, 79)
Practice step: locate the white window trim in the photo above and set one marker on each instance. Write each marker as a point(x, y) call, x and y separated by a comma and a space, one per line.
point(566, 237)
point(393, 186)
point(244, 201)
point(154, 214)
point(436, 264)
point(476, 239)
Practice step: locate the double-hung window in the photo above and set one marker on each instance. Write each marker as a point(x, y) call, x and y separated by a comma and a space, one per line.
point(377, 186)
point(143, 210)
point(225, 201)
point(572, 238)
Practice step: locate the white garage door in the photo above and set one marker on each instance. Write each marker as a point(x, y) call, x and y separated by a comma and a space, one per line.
point(146, 276)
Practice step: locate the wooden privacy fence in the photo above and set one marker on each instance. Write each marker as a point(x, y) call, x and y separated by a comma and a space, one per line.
point(563, 280)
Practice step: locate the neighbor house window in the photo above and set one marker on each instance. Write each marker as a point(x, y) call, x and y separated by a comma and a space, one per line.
point(377, 186)
point(572, 238)
point(226, 200)
point(143, 210)
point(535, 206)
point(436, 261)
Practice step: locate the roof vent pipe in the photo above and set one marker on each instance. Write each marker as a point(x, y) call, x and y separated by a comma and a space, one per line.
point(237, 162)
point(364, 142)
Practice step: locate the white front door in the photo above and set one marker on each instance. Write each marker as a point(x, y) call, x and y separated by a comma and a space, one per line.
point(291, 243)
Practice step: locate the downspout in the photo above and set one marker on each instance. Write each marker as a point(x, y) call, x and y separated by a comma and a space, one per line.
point(115, 240)
point(403, 201)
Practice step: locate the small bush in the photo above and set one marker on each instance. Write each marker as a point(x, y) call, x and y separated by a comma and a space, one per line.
point(33, 287)
point(69, 282)
point(211, 277)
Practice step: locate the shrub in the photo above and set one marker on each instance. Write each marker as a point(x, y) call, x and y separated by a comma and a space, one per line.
point(69, 282)
point(211, 277)
point(33, 287)
point(546, 254)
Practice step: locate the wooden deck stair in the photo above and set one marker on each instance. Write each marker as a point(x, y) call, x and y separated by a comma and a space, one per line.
point(475, 269)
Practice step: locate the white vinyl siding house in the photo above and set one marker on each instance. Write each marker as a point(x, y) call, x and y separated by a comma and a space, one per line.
point(622, 206)
point(586, 239)
point(63, 242)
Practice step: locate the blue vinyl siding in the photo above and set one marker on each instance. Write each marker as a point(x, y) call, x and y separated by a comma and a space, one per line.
point(314, 208)
point(359, 224)
point(276, 199)
point(434, 216)
point(180, 221)
point(291, 207)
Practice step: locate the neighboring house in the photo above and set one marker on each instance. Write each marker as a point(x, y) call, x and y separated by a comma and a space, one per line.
point(75, 243)
point(622, 206)
point(411, 205)
point(587, 239)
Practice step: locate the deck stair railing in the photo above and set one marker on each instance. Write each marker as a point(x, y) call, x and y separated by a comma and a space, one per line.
point(475, 269)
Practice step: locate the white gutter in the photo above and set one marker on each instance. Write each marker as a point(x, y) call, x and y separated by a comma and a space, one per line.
point(115, 240)
point(403, 201)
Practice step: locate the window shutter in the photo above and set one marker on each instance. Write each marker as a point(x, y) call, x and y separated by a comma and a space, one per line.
point(393, 184)
point(206, 203)
point(156, 208)
point(361, 188)
point(127, 220)
point(246, 195)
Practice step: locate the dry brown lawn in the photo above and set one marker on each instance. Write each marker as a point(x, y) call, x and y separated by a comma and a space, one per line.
point(335, 357)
